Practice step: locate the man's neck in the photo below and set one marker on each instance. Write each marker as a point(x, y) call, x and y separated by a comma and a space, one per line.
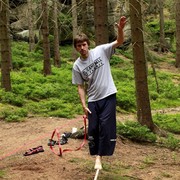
point(85, 56)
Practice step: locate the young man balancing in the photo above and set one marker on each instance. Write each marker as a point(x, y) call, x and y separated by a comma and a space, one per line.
point(93, 68)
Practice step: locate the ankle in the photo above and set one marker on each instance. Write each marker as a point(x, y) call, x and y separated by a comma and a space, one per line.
point(98, 157)
point(98, 164)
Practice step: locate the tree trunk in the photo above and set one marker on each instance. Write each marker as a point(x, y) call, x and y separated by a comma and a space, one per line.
point(177, 63)
point(45, 34)
point(31, 26)
point(5, 46)
point(56, 35)
point(75, 25)
point(101, 21)
point(84, 16)
point(142, 94)
point(163, 44)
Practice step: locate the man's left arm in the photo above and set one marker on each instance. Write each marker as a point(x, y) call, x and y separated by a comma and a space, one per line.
point(120, 35)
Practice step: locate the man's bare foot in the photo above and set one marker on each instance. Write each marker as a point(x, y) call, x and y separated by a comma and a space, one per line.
point(98, 164)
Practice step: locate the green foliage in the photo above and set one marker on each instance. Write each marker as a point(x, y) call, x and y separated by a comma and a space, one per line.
point(127, 53)
point(169, 26)
point(12, 114)
point(124, 81)
point(36, 93)
point(115, 60)
point(169, 92)
point(54, 107)
point(135, 131)
point(2, 173)
point(11, 98)
point(170, 142)
point(126, 97)
point(152, 28)
point(21, 57)
point(170, 122)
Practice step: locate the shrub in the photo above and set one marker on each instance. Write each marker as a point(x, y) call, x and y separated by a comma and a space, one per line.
point(54, 107)
point(14, 114)
point(135, 131)
point(11, 98)
point(170, 142)
point(115, 60)
point(126, 97)
point(170, 123)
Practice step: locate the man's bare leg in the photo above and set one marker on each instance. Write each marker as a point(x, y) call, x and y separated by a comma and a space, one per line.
point(98, 164)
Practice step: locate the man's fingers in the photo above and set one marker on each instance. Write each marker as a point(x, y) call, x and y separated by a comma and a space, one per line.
point(88, 111)
point(123, 18)
point(116, 24)
point(122, 22)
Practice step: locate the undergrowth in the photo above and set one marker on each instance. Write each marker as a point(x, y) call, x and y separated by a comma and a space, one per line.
point(54, 95)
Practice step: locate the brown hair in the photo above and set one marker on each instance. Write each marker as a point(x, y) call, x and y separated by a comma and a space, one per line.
point(81, 38)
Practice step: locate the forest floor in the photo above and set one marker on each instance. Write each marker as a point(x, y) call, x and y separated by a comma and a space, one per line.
point(131, 160)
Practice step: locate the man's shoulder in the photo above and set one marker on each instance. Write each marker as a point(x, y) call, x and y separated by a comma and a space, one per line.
point(76, 62)
point(102, 46)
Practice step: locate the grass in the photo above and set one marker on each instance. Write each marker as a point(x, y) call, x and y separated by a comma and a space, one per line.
point(169, 122)
point(55, 96)
point(2, 173)
point(136, 132)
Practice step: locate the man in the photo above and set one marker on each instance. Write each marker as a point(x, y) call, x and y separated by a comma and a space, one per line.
point(93, 68)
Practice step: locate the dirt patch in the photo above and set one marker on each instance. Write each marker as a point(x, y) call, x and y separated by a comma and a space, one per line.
point(130, 160)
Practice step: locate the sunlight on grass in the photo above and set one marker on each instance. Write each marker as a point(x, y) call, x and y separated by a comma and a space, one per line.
point(2, 174)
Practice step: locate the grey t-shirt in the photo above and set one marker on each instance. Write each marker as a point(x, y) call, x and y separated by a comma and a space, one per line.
point(96, 72)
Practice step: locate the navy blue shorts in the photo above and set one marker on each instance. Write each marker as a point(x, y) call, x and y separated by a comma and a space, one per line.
point(102, 126)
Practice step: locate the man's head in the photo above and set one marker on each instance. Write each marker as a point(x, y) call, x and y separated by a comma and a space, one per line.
point(81, 44)
point(80, 38)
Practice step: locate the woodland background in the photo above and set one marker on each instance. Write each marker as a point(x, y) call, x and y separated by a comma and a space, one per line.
point(36, 93)
point(37, 57)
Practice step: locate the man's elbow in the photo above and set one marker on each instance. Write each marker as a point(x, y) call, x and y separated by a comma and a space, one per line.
point(117, 43)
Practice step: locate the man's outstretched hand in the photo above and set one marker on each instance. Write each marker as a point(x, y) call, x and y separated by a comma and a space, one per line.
point(122, 23)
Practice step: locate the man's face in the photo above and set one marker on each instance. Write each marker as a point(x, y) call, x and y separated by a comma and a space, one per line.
point(83, 49)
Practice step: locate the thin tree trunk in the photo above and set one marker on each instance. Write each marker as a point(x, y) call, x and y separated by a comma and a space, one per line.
point(5, 45)
point(31, 26)
point(101, 21)
point(177, 63)
point(45, 34)
point(163, 43)
point(84, 16)
point(56, 35)
point(142, 94)
point(75, 25)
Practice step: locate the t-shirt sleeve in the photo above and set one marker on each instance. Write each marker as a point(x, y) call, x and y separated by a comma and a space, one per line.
point(76, 77)
point(108, 49)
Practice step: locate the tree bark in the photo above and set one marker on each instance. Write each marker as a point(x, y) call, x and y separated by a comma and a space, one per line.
point(57, 62)
point(84, 16)
point(142, 94)
point(45, 34)
point(101, 21)
point(31, 26)
point(75, 25)
point(5, 45)
point(163, 44)
point(177, 63)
